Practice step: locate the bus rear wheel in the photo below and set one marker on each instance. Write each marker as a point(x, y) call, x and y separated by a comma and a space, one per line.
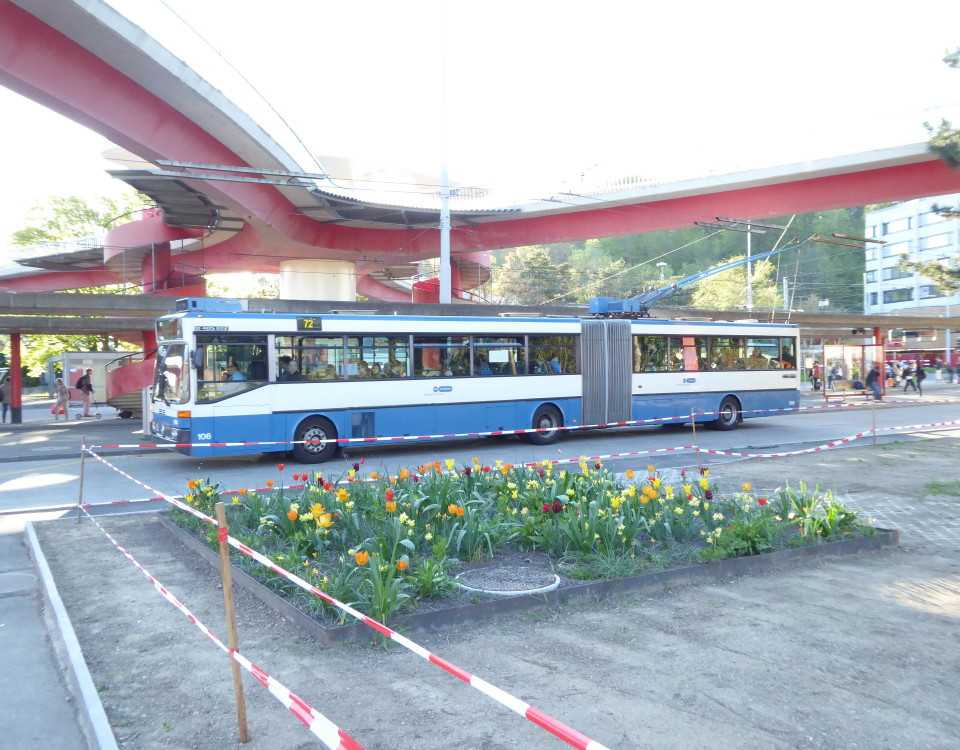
point(548, 419)
point(729, 414)
point(319, 441)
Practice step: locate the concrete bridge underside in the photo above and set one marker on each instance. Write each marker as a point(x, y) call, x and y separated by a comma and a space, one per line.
point(90, 64)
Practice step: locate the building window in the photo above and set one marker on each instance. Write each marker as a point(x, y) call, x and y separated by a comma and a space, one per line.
point(937, 240)
point(898, 225)
point(872, 231)
point(895, 249)
point(932, 290)
point(895, 273)
point(931, 217)
point(870, 277)
point(873, 299)
point(898, 295)
point(870, 253)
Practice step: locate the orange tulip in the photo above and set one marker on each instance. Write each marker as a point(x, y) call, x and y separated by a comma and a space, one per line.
point(401, 565)
point(293, 515)
point(362, 557)
point(391, 506)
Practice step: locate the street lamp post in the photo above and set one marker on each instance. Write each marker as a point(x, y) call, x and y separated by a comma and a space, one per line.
point(661, 266)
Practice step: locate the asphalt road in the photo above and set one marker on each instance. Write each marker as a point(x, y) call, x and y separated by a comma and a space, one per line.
point(55, 481)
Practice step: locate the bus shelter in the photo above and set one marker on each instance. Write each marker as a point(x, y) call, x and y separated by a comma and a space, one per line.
point(845, 366)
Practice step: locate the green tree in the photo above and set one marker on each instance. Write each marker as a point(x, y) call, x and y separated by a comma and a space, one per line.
point(529, 276)
point(727, 290)
point(243, 285)
point(70, 217)
point(945, 139)
point(945, 143)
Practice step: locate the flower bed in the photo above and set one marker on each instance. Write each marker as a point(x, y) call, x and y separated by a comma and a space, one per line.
point(389, 545)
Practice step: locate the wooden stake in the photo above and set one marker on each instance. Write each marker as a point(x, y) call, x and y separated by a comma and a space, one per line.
point(83, 455)
point(232, 640)
point(693, 424)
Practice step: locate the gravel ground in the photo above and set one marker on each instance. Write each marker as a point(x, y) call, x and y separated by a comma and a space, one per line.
point(850, 653)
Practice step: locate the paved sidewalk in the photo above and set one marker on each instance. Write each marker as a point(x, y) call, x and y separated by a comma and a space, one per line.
point(39, 437)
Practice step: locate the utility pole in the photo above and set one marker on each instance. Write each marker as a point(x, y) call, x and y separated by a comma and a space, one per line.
point(749, 276)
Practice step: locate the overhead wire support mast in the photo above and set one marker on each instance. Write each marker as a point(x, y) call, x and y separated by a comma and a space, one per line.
point(639, 306)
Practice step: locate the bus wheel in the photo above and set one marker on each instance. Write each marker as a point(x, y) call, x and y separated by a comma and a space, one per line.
point(546, 418)
point(321, 443)
point(729, 414)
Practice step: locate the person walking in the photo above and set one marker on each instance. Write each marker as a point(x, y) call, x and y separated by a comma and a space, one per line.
point(908, 375)
point(815, 375)
point(62, 402)
point(919, 374)
point(938, 366)
point(873, 382)
point(85, 386)
point(5, 395)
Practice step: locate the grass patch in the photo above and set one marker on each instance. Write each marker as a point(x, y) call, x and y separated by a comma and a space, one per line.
point(943, 488)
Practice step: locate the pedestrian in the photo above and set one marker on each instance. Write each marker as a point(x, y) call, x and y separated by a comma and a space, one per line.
point(5, 395)
point(873, 382)
point(920, 374)
point(908, 375)
point(949, 373)
point(62, 402)
point(85, 386)
point(815, 375)
point(938, 365)
point(834, 373)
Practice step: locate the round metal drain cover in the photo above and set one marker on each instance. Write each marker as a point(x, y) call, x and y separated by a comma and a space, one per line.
point(16, 583)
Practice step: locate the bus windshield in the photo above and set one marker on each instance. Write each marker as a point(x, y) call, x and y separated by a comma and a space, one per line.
point(171, 382)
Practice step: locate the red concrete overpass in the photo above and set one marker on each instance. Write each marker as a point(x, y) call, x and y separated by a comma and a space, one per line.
point(258, 210)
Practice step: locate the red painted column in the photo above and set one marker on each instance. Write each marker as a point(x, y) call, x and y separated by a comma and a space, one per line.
point(16, 381)
point(150, 344)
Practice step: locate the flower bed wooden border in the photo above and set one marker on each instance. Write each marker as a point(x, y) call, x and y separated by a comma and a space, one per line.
point(457, 616)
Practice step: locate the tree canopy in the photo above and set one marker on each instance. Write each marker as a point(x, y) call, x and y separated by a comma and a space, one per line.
point(945, 143)
point(71, 217)
point(622, 267)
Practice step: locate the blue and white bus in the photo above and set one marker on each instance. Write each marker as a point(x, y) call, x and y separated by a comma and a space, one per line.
point(228, 376)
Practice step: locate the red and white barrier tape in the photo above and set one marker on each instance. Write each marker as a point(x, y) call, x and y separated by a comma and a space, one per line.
point(557, 728)
point(318, 724)
point(501, 433)
point(559, 461)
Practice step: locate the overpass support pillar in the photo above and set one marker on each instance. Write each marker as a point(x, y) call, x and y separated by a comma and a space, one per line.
point(16, 381)
point(318, 279)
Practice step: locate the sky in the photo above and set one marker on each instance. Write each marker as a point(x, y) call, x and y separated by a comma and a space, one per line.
point(533, 96)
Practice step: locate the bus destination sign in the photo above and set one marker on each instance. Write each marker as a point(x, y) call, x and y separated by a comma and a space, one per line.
point(309, 324)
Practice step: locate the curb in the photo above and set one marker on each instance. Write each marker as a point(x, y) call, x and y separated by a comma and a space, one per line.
point(457, 616)
point(93, 717)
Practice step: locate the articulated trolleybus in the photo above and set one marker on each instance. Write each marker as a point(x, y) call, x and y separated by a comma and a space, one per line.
point(229, 376)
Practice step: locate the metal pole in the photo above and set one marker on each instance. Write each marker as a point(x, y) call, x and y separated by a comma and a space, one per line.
point(446, 296)
point(232, 640)
point(749, 276)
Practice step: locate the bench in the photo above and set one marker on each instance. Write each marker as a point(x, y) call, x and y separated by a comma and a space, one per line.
point(844, 388)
